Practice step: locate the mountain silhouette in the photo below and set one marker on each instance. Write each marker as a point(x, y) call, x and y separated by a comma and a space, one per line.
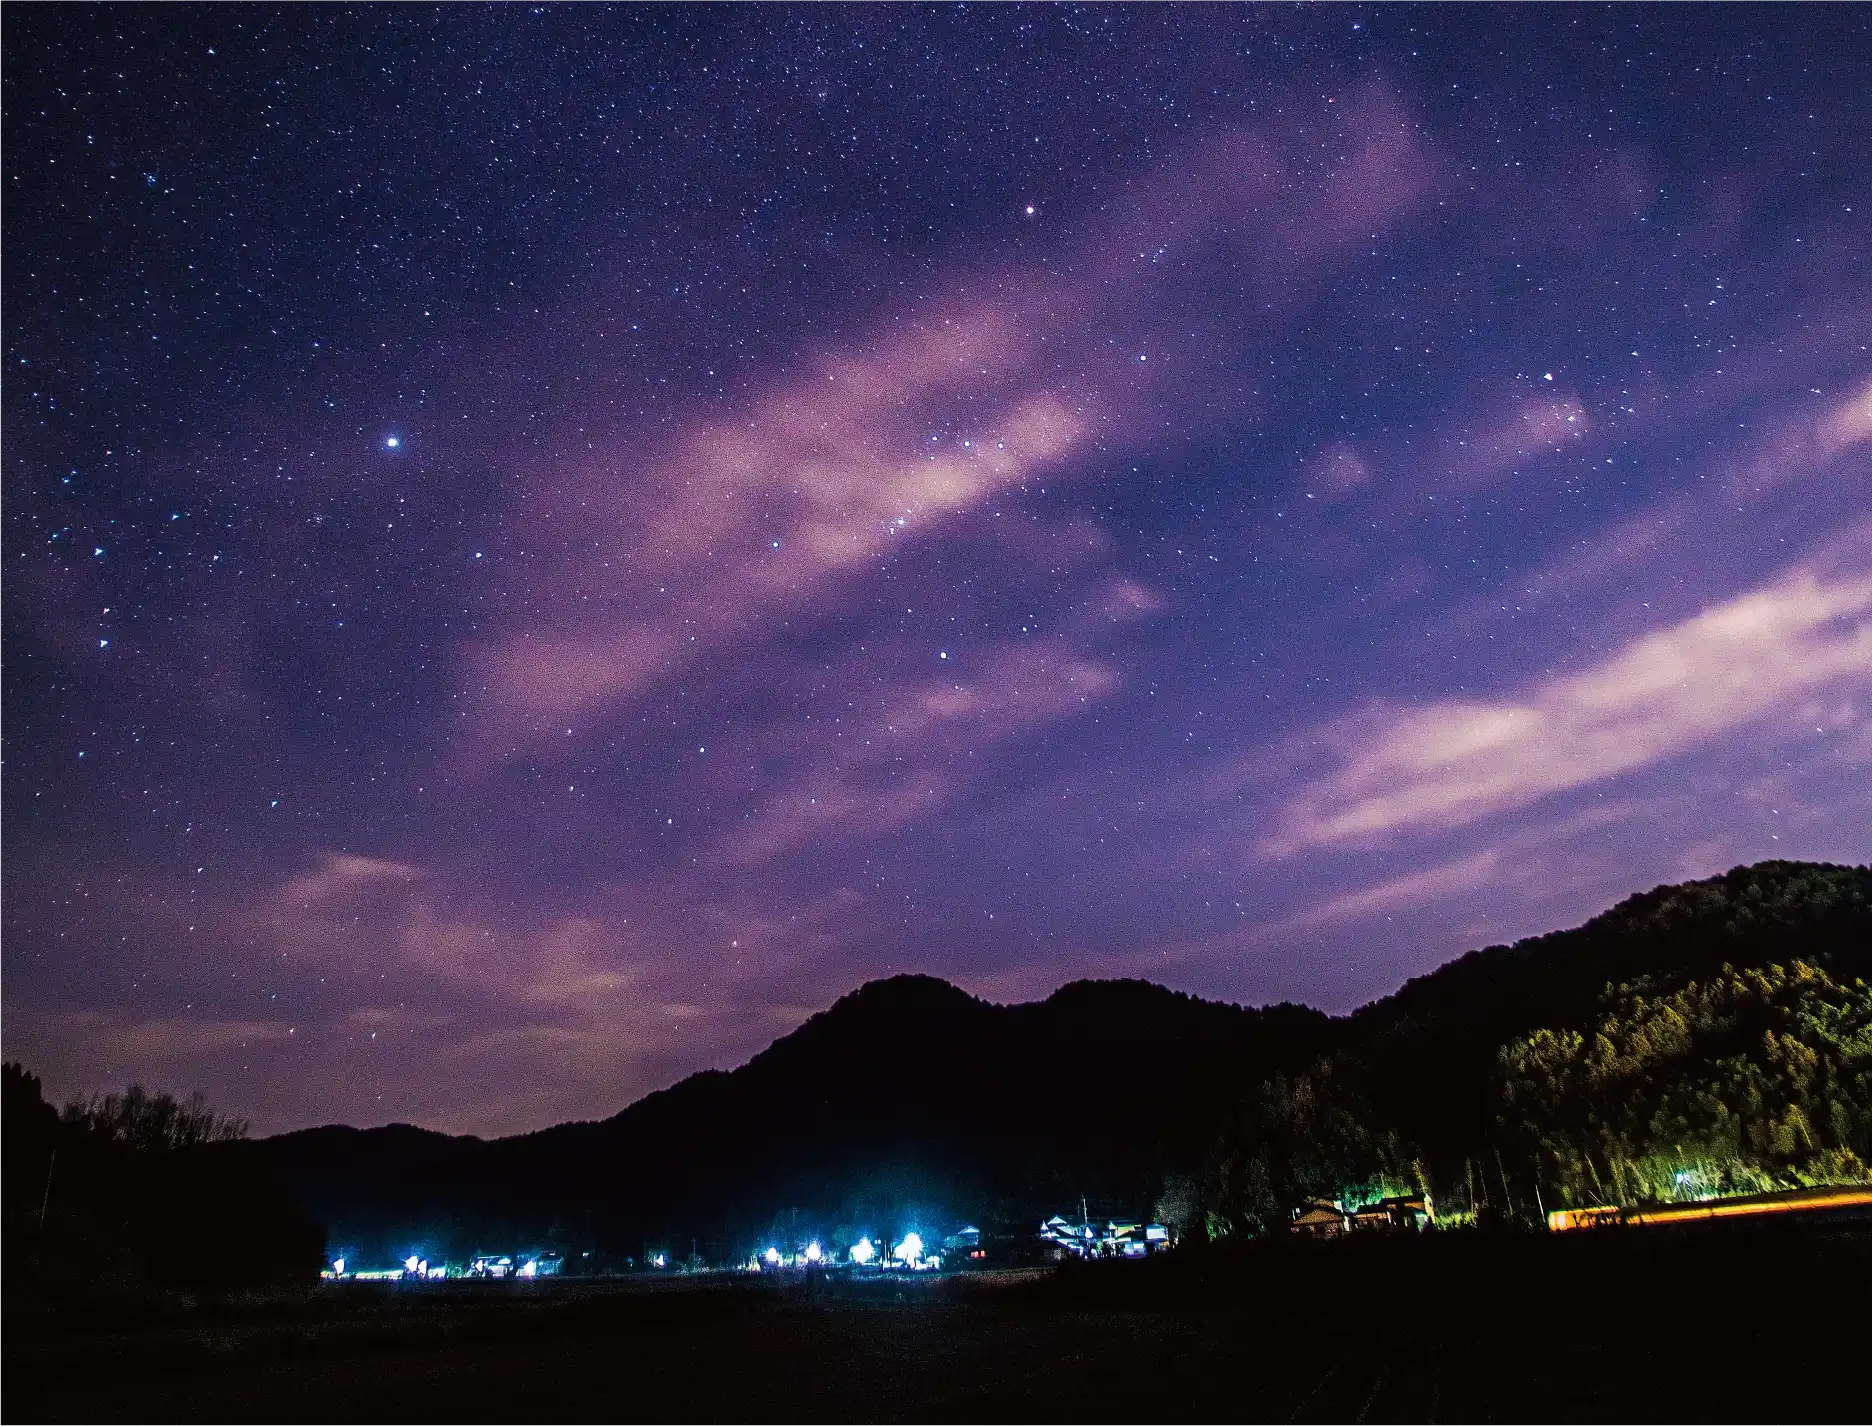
point(910, 1096)
point(908, 1091)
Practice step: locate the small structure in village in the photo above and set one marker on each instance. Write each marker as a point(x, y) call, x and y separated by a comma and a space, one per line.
point(1328, 1218)
point(1408, 1212)
point(1112, 1239)
point(1319, 1218)
point(964, 1246)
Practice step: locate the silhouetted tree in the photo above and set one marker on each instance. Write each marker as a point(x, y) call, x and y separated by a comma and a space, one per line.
point(152, 1123)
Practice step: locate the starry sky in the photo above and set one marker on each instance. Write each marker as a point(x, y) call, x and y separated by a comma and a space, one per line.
point(544, 545)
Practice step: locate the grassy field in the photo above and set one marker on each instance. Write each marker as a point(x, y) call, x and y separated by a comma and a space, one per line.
point(1683, 1325)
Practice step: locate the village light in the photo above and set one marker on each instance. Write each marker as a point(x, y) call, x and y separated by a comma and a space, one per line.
point(910, 1249)
point(772, 1256)
point(862, 1252)
point(411, 1263)
point(813, 1253)
point(338, 1266)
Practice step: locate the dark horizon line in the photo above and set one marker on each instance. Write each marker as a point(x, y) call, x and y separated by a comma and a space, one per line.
point(1064, 986)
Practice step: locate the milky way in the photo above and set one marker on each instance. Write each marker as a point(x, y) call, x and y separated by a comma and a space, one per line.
point(544, 545)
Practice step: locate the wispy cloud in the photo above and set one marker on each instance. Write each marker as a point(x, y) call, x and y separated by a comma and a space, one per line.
point(1453, 762)
point(1802, 451)
point(1470, 451)
point(339, 878)
point(644, 569)
point(1398, 893)
point(144, 1043)
point(901, 759)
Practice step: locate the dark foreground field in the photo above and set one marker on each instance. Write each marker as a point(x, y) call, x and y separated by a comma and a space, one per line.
point(1664, 1325)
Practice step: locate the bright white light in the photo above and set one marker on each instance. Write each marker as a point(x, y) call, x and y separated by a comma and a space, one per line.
point(813, 1253)
point(661, 1260)
point(392, 442)
point(411, 1263)
point(338, 1266)
point(909, 1250)
point(528, 1269)
point(862, 1252)
point(772, 1255)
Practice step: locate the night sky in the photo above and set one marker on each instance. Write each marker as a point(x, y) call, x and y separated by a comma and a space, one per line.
point(544, 545)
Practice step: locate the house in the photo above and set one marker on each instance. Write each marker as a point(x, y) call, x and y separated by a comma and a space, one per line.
point(1319, 1219)
point(1404, 1213)
point(1115, 1238)
point(964, 1247)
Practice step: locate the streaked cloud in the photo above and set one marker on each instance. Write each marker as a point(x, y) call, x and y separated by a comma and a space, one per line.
point(902, 759)
point(1398, 893)
point(116, 1038)
point(1487, 440)
point(643, 567)
point(338, 878)
point(1454, 762)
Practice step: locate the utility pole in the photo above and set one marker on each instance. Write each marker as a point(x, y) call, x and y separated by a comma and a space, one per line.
point(45, 1202)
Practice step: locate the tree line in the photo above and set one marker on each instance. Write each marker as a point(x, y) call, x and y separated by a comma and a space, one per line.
point(136, 1191)
point(1746, 1080)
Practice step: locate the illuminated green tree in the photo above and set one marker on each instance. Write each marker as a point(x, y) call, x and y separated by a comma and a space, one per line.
point(1745, 1080)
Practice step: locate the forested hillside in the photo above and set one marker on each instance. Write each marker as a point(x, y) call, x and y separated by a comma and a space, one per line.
point(1498, 1082)
point(1707, 1036)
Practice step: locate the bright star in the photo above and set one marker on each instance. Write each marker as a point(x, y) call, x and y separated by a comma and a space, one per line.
point(393, 441)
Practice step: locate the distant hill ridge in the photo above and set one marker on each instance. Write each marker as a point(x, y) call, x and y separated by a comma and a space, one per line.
point(910, 1090)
